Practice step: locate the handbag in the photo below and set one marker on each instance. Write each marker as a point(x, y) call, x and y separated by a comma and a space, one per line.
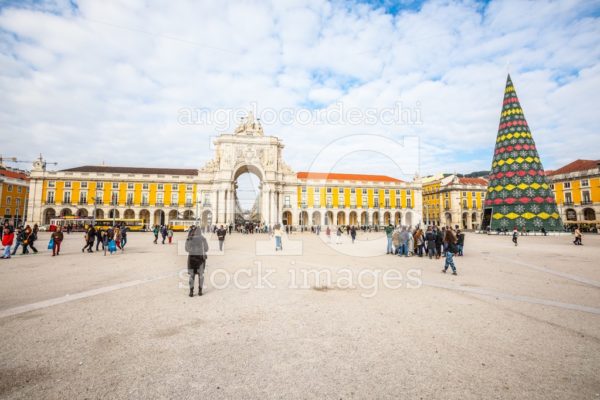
point(51, 244)
point(112, 246)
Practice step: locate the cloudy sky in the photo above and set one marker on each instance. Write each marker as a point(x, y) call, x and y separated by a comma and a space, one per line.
point(148, 83)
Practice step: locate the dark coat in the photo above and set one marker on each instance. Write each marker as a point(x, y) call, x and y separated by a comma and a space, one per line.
point(197, 247)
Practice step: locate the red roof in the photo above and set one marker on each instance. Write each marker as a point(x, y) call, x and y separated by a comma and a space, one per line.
point(346, 177)
point(577, 165)
point(132, 170)
point(13, 174)
point(473, 181)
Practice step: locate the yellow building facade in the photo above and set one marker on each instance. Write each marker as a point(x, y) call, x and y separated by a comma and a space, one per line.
point(14, 194)
point(576, 189)
point(452, 200)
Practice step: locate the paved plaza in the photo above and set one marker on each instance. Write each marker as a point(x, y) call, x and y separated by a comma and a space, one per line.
point(517, 322)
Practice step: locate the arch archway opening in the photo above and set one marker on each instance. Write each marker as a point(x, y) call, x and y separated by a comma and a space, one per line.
point(49, 214)
point(247, 195)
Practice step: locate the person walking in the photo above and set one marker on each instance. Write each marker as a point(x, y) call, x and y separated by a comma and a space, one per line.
point(118, 237)
point(515, 236)
point(33, 238)
point(170, 234)
point(89, 237)
point(328, 234)
point(197, 248)
point(578, 237)
point(221, 232)
point(7, 241)
point(18, 239)
point(155, 231)
point(100, 238)
point(450, 240)
point(57, 238)
point(389, 231)
point(163, 233)
point(278, 234)
point(353, 233)
point(124, 230)
point(25, 238)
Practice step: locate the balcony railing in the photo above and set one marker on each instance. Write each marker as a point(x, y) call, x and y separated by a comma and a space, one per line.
point(144, 204)
point(161, 204)
point(82, 202)
point(129, 203)
point(174, 205)
point(586, 202)
point(329, 206)
point(568, 203)
point(188, 204)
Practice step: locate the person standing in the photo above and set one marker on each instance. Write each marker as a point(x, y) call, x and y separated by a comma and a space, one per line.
point(515, 236)
point(89, 238)
point(450, 240)
point(439, 238)
point(197, 247)
point(57, 238)
point(170, 234)
point(221, 232)
point(7, 241)
point(328, 234)
point(430, 238)
point(353, 233)
point(420, 242)
point(460, 244)
point(338, 235)
point(278, 234)
point(389, 231)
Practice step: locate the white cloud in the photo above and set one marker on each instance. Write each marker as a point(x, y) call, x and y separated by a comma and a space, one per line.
point(106, 81)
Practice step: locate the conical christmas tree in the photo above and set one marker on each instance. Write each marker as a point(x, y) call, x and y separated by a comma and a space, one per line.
point(519, 194)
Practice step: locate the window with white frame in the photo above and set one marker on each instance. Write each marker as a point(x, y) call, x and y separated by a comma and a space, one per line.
point(18, 203)
point(567, 185)
point(115, 185)
point(130, 186)
point(83, 197)
point(188, 199)
point(160, 198)
point(9, 188)
point(189, 188)
point(8, 201)
point(585, 183)
point(84, 184)
point(51, 184)
point(145, 198)
point(160, 186)
point(144, 186)
point(67, 197)
point(174, 198)
point(129, 198)
point(68, 184)
point(114, 198)
point(174, 186)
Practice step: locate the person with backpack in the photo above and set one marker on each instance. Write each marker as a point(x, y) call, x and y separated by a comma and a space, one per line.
point(197, 247)
point(26, 236)
point(31, 239)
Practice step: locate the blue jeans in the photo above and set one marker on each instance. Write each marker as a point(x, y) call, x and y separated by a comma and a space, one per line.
point(449, 261)
point(390, 249)
point(6, 252)
point(403, 249)
point(123, 241)
point(460, 249)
